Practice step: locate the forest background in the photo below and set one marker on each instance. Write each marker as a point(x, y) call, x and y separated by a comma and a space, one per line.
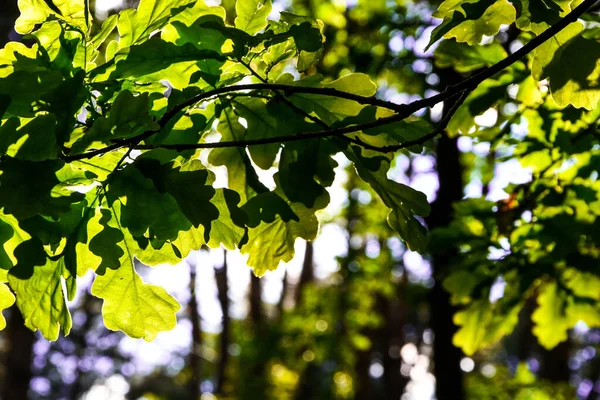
point(502, 303)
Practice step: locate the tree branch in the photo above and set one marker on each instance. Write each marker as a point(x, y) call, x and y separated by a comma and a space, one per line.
point(402, 110)
point(438, 131)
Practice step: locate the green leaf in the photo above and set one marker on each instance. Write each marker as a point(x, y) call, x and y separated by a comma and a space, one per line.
point(270, 243)
point(107, 27)
point(252, 15)
point(34, 12)
point(11, 236)
point(189, 186)
point(7, 299)
point(233, 158)
point(230, 228)
point(41, 298)
point(307, 37)
point(132, 306)
point(536, 15)
point(26, 88)
point(465, 58)
point(156, 60)
point(481, 327)
point(140, 310)
point(147, 212)
point(35, 141)
point(261, 125)
point(404, 202)
point(331, 109)
point(306, 169)
point(198, 9)
point(551, 321)
point(473, 322)
point(135, 26)
point(485, 96)
point(468, 21)
point(129, 116)
point(64, 48)
point(104, 243)
point(40, 195)
point(573, 79)
point(267, 207)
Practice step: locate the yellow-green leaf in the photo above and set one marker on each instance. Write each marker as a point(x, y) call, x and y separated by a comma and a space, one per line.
point(7, 299)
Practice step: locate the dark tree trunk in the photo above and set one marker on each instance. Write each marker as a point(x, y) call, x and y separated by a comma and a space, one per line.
point(555, 363)
point(79, 340)
point(308, 272)
point(195, 358)
point(364, 391)
point(262, 345)
point(285, 287)
point(223, 293)
point(8, 14)
point(524, 336)
point(392, 339)
point(363, 361)
point(256, 311)
point(446, 358)
point(18, 358)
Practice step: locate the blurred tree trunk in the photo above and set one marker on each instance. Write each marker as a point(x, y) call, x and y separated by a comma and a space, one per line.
point(79, 340)
point(257, 365)
point(446, 357)
point(8, 15)
point(364, 390)
point(195, 353)
point(223, 294)
point(524, 336)
point(392, 340)
point(363, 361)
point(555, 363)
point(308, 271)
point(256, 311)
point(18, 358)
point(285, 287)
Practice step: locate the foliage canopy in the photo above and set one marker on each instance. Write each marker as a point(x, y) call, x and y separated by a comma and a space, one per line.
point(112, 138)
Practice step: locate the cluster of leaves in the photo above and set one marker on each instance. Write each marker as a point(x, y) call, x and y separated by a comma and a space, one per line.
point(112, 139)
point(75, 106)
point(542, 241)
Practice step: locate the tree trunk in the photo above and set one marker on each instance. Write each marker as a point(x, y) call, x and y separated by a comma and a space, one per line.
point(285, 287)
point(18, 358)
point(79, 340)
point(364, 389)
point(256, 366)
point(392, 340)
point(9, 14)
point(223, 293)
point(446, 358)
point(195, 357)
point(525, 339)
point(256, 311)
point(555, 363)
point(308, 272)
